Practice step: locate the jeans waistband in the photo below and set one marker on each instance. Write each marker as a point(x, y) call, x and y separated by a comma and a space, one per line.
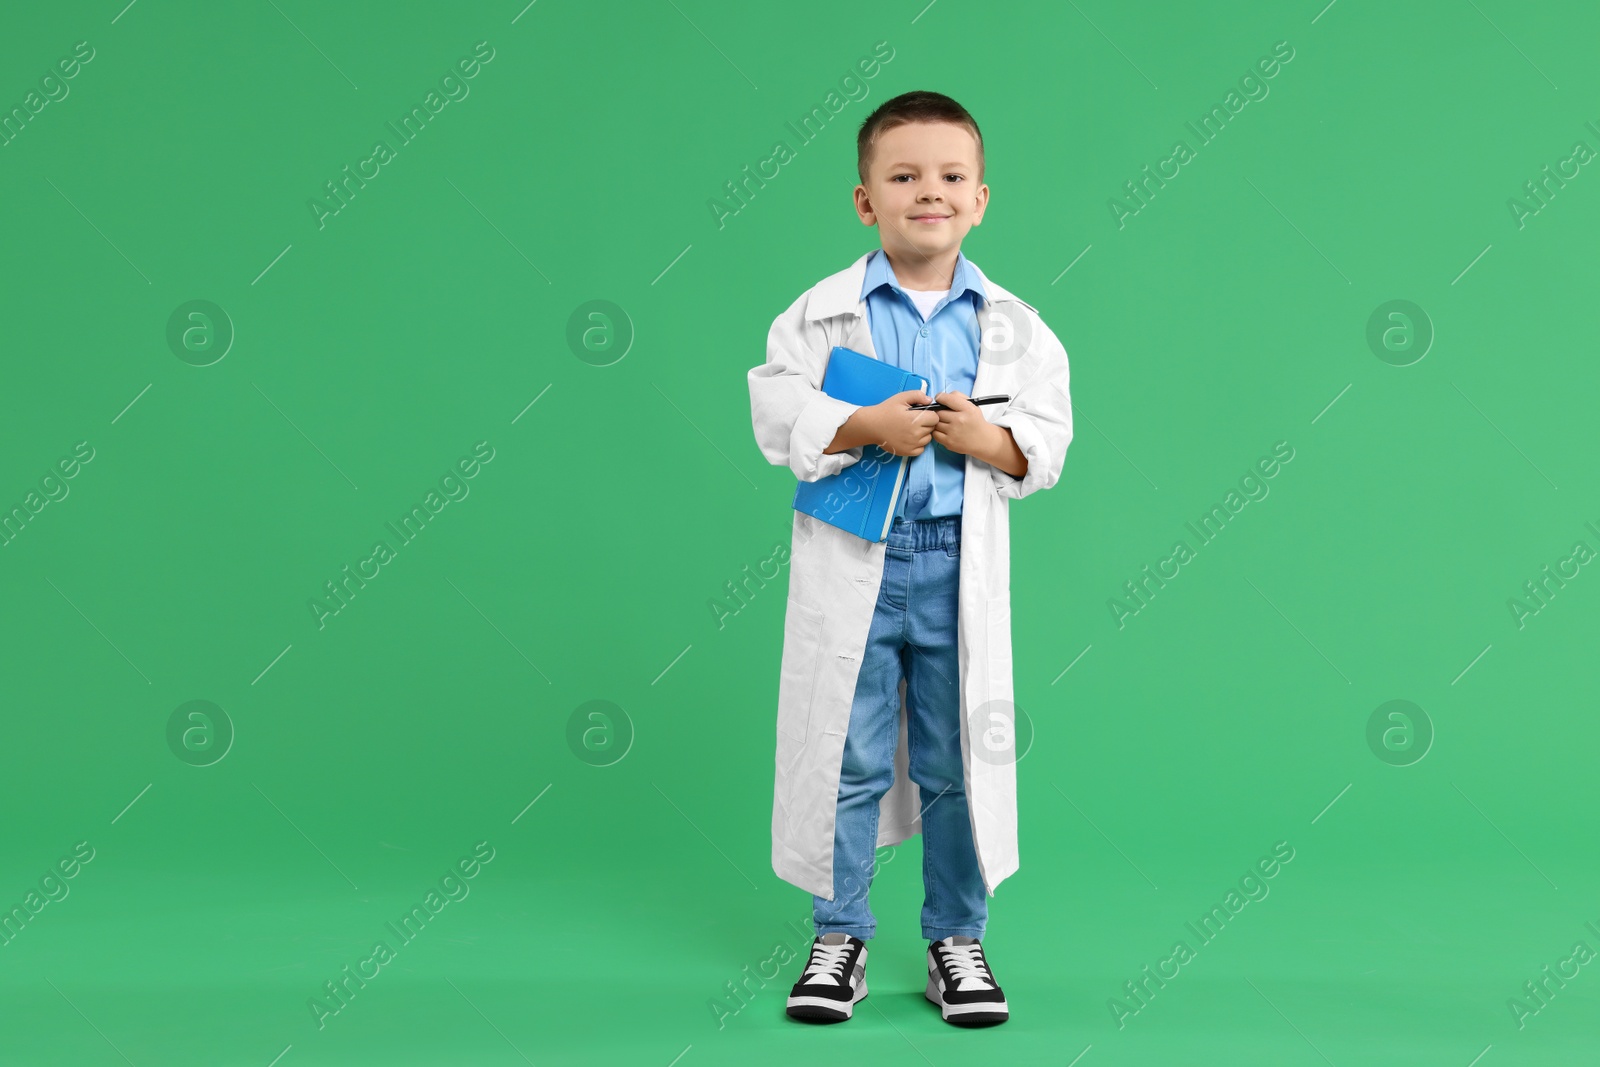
point(920, 535)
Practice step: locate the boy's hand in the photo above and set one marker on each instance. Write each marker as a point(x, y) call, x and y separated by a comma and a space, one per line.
point(962, 428)
point(896, 428)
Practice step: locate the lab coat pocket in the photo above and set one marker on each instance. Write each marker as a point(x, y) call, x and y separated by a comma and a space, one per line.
point(802, 647)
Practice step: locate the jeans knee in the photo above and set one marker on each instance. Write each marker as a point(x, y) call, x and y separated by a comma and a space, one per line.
point(870, 781)
point(939, 780)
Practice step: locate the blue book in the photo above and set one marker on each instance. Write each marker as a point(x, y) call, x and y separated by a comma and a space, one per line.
point(863, 497)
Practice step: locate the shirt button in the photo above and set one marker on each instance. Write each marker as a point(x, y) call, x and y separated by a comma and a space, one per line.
point(924, 331)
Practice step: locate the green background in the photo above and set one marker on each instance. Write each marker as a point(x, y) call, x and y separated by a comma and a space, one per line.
point(365, 757)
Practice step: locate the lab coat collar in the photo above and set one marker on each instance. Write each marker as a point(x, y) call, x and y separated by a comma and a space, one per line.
point(840, 294)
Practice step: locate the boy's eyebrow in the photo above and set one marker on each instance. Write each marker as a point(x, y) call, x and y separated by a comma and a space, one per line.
point(913, 165)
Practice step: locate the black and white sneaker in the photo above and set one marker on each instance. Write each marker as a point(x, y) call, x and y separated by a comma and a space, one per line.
point(960, 982)
point(835, 978)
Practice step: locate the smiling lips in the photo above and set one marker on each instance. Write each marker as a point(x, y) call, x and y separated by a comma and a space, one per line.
point(929, 220)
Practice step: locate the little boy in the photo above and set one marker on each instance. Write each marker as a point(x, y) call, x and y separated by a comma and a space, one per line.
point(894, 707)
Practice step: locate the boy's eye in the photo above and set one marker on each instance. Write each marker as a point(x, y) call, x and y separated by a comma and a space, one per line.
point(897, 177)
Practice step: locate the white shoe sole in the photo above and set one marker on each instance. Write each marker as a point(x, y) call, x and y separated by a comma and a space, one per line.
point(824, 1009)
point(981, 1014)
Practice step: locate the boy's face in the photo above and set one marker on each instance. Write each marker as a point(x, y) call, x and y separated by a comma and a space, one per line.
point(922, 190)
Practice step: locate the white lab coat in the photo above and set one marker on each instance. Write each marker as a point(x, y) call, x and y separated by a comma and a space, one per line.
point(834, 575)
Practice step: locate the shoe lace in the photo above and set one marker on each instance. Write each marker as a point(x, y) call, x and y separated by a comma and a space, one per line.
point(827, 963)
point(967, 966)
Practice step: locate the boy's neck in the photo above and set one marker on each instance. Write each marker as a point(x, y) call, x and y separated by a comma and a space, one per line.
point(922, 273)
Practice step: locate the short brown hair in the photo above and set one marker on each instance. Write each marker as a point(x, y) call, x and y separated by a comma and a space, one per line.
point(917, 106)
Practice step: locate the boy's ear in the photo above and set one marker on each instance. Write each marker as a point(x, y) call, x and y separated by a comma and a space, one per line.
point(983, 205)
point(864, 209)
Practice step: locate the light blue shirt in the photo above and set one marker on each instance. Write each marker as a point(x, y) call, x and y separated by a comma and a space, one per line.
point(944, 350)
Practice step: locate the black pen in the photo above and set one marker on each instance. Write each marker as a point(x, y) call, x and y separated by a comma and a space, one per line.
point(936, 406)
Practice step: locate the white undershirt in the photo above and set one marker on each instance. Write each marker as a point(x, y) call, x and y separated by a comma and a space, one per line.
point(926, 299)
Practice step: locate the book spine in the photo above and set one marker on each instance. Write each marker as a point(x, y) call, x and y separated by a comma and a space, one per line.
point(894, 498)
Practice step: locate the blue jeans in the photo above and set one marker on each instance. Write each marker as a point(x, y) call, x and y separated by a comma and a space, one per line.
point(913, 635)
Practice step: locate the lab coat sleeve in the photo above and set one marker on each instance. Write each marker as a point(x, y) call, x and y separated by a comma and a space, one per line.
point(1039, 417)
point(794, 419)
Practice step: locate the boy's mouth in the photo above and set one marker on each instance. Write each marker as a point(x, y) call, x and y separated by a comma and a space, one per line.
point(929, 218)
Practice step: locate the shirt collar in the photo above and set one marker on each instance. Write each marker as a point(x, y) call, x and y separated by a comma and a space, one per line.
point(879, 273)
point(840, 293)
